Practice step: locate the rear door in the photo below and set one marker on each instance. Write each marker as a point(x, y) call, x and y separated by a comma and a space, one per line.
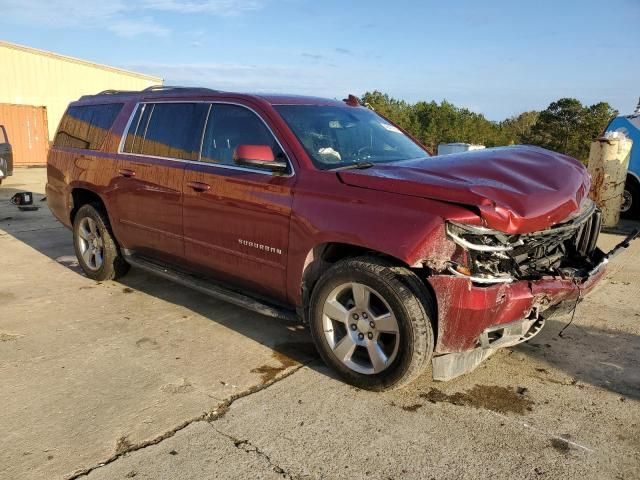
point(236, 219)
point(160, 139)
point(6, 154)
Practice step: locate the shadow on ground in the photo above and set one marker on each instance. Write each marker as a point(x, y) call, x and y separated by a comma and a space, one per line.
point(39, 230)
point(605, 358)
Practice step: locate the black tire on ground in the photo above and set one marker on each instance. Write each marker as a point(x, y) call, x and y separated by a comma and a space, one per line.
point(632, 189)
point(409, 301)
point(113, 263)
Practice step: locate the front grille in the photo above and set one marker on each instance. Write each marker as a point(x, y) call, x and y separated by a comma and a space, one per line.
point(545, 251)
point(565, 249)
point(587, 236)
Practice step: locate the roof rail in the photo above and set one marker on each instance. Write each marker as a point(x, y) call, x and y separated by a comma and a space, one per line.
point(113, 92)
point(151, 89)
point(166, 88)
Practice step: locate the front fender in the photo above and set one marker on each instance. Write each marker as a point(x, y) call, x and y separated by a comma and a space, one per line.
point(409, 229)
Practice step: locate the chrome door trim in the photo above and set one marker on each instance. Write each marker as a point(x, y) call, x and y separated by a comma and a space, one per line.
point(199, 162)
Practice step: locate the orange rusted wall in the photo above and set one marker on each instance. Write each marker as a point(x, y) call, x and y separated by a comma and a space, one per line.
point(28, 133)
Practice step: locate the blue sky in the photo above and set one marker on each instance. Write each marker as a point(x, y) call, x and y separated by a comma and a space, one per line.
point(494, 57)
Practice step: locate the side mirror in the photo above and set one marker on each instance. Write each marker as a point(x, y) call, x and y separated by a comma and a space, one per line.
point(258, 156)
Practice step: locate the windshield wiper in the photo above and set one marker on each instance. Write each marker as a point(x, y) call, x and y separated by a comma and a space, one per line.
point(357, 165)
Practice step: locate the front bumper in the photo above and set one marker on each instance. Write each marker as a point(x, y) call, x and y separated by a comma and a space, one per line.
point(475, 320)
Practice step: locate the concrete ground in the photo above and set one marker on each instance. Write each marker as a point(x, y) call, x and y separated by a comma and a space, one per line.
point(145, 379)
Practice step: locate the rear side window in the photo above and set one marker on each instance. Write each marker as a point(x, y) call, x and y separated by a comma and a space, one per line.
point(86, 126)
point(170, 130)
point(229, 126)
point(3, 135)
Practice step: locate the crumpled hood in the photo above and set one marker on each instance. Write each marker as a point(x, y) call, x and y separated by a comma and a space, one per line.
point(517, 189)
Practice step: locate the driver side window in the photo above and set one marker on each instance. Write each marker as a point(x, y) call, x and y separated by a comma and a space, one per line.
point(229, 126)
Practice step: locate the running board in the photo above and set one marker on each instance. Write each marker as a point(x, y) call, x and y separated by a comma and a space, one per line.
point(211, 289)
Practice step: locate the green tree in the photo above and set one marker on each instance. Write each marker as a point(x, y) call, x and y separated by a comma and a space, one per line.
point(519, 127)
point(398, 111)
point(565, 126)
point(568, 127)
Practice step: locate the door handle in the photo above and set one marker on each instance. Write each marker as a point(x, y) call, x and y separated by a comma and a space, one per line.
point(199, 186)
point(125, 172)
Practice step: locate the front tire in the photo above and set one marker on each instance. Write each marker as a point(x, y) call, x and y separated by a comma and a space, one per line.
point(371, 321)
point(631, 200)
point(96, 248)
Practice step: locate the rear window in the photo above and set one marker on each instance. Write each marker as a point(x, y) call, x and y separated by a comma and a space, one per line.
point(86, 126)
point(169, 130)
point(3, 135)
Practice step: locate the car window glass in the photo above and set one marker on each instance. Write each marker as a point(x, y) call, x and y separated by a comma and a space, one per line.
point(134, 126)
point(170, 130)
point(86, 126)
point(174, 130)
point(138, 128)
point(231, 125)
point(3, 136)
point(336, 136)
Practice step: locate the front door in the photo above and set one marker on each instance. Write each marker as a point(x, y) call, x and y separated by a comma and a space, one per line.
point(148, 193)
point(236, 219)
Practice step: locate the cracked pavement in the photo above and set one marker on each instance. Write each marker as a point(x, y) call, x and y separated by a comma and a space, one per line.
point(148, 380)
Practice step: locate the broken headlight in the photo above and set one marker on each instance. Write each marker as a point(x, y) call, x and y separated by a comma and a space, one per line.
point(484, 257)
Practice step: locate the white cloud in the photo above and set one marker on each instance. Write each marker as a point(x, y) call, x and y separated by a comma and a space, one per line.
point(214, 7)
point(117, 16)
point(60, 13)
point(304, 80)
point(132, 28)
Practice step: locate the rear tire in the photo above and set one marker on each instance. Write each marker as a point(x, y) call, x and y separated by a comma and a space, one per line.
point(96, 248)
point(631, 201)
point(371, 322)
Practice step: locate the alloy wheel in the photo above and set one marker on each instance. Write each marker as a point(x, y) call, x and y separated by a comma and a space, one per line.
point(90, 243)
point(360, 328)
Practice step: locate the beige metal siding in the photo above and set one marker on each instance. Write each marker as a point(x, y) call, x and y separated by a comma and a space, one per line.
point(26, 128)
point(34, 77)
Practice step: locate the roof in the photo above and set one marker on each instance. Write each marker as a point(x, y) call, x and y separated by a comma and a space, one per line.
point(624, 121)
point(198, 92)
point(634, 120)
point(284, 99)
point(65, 58)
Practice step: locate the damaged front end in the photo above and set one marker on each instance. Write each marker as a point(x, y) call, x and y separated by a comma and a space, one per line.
point(567, 250)
point(499, 288)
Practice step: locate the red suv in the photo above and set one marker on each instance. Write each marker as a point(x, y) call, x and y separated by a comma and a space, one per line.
point(325, 211)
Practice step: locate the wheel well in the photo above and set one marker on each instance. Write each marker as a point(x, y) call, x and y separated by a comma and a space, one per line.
point(323, 256)
point(82, 196)
point(634, 179)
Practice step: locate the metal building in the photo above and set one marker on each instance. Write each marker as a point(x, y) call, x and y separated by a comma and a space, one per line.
point(43, 79)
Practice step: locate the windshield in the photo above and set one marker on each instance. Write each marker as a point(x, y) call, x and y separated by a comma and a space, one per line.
point(341, 136)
